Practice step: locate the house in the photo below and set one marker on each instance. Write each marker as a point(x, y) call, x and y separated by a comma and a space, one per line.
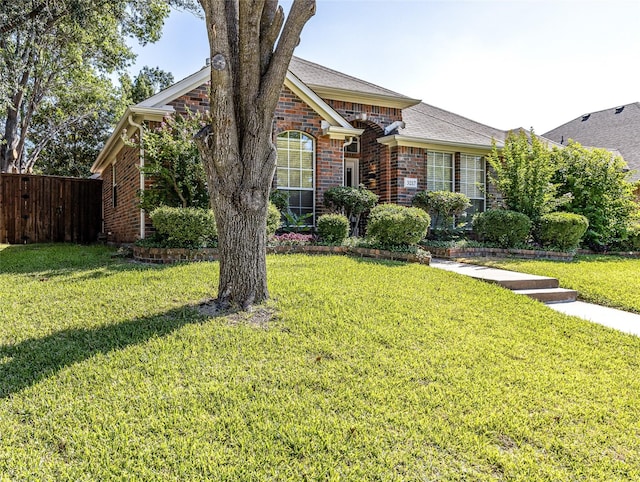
point(330, 129)
point(616, 129)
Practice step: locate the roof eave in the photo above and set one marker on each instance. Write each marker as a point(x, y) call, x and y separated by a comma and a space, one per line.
point(115, 142)
point(333, 93)
point(409, 141)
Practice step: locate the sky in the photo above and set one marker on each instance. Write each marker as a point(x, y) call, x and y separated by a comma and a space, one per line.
point(504, 63)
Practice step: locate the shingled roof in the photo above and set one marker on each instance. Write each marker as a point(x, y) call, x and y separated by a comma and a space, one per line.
point(615, 129)
point(429, 122)
point(331, 84)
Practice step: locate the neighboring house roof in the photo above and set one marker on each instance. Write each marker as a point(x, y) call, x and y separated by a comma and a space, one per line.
point(614, 129)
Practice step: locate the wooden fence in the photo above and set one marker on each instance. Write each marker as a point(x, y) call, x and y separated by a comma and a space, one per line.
point(43, 209)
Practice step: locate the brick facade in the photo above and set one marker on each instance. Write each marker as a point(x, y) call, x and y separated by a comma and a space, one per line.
point(122, 220)
point(382, 169)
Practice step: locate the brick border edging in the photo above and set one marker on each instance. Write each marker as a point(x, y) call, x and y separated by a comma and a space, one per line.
point(182, 255)
point(498, 252)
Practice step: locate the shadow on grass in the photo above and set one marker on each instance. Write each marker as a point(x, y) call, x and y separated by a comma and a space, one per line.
point(30, 361)
point(53, 260)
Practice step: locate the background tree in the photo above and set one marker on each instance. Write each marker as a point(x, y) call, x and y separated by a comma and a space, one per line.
point(251, 46)
point(149, 81)
point(598, 187)
point(41, 42)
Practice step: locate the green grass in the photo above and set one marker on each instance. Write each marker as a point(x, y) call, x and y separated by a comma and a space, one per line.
point(606, 280)
point(368, 371)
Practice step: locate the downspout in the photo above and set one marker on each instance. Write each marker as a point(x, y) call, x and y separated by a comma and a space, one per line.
point(140, 129)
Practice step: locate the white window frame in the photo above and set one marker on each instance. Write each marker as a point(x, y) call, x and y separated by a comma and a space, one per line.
point(453, 170)
point(313, 180)
point(483, 189)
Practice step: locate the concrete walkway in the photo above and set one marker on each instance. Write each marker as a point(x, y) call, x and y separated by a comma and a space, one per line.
point(617, 319)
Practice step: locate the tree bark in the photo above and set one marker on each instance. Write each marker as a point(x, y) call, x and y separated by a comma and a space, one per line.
point(248, 69)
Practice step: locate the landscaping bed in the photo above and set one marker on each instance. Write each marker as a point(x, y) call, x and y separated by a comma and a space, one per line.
point(178, 255)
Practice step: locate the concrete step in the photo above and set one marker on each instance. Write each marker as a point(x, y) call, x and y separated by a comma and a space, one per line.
point(526, 283)
point(550, 295)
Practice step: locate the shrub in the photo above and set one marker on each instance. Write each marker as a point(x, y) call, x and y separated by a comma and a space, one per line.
point(394, 225)
point(598, 187)
point(280, 199)
point(442, 207)
point(173, 165)
point(274, 219)
point(292, 239)
point(333, 228)
point(501, 226)
point(632, 241)
point(350, 201)
point(562, 230)
point(185, 227)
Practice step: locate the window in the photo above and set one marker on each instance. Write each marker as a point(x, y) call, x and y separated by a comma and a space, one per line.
point(472, 182)
point(354, 146)
point(439, 171)
point(295, 171)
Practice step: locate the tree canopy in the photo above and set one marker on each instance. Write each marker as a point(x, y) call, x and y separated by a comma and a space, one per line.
point(47, 45)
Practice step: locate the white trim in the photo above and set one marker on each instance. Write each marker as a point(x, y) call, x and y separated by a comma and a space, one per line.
point(342, 133)
point(178, 89)
point(406, 141)
point(397, 102)
point(312, 99)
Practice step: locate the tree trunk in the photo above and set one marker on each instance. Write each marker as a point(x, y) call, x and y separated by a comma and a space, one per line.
point(242, 246)
point(247, 74)
point(9, 143)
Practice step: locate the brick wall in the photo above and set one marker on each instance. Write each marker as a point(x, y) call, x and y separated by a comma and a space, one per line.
point(122, 222)
point(196, 101)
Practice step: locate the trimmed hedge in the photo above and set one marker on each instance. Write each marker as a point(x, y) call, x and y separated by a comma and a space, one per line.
point(501, 226)
point(185, 227)
point(562, 230)
point(274, 219)
point(394, 225)
point(333, 228)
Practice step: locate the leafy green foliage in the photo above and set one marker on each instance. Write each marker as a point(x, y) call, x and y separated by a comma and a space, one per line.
point(632, 240)
point(502, 226)
point(185, 227)
point(149, 81)
point(442, 207)
point(523, 175)
point(280, 199)
point(333, 228)
point(394, 225)
point(351, 202)
point(174, 166)
point(104, 383)
point(296, 222)
point(274, 219)
point(562, 230)
point(598, 187)
point(47, 52)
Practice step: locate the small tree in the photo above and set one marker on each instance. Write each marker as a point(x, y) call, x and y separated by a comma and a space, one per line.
point(599, 189)
point(173, 163)
point(350, 202)
point(523, 175)
point(442, 207)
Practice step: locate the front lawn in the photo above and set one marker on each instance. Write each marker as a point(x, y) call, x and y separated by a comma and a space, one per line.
point(368, 371)
point(606, 280)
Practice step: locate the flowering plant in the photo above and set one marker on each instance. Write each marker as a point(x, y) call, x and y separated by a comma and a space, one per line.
point(292, 239)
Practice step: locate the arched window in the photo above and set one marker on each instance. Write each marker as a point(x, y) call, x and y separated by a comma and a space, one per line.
point(295, 174)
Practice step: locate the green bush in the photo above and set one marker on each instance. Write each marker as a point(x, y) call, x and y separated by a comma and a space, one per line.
point(632, 241)
point(394, 225)
point(350, 201)
point(562, 230)
point(442, 207)
point(333, 228)
point(274, 219)
point(501, 226)
point(184, 227)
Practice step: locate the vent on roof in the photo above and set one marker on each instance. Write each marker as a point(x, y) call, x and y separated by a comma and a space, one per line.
point(619, 109)
point(585, 117)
